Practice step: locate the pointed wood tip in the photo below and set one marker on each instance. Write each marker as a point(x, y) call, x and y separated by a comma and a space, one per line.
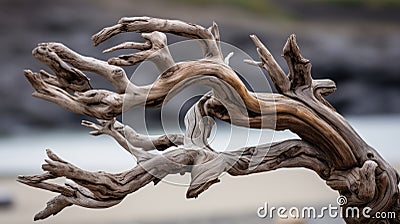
point(291, 46)
point(21, 179)
point(105, 34)
point(292, 50)
point(254, 38)
point(257, 42)
point(214, 24)
point(27, 72)
point(195, 190)
point(49, 152)
point(262, 51)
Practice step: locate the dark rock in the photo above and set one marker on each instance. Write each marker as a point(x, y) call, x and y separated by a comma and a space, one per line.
point(6, 201)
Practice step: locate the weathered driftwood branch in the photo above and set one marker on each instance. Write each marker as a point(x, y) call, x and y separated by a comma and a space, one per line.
point(328, 144)
point(127, 137)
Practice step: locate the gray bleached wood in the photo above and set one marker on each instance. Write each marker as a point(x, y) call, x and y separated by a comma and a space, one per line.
point(328, 145)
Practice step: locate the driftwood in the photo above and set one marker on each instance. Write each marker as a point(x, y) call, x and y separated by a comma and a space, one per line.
point(328, 144)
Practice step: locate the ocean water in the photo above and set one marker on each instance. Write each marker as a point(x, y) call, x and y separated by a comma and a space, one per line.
point(24, 153)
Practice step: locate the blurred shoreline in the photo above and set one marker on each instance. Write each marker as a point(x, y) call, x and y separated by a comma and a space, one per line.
point(23, 154)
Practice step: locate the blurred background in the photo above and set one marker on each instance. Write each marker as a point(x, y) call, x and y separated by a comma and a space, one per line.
point(354, 42)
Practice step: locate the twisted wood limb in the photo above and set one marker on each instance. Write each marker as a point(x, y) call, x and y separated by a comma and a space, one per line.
point(148, 24)
point(158, 52)
point(129, 139)
point(328, 145)
point(101, 189)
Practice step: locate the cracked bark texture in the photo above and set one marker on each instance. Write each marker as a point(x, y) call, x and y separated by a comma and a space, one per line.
point(328, 145)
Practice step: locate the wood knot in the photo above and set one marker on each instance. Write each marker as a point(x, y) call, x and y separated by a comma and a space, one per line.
point(358, 182)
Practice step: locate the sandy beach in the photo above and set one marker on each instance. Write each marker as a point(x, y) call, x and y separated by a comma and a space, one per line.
point(234, 198)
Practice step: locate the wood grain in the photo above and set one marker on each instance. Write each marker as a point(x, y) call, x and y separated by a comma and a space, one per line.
point(328, 145)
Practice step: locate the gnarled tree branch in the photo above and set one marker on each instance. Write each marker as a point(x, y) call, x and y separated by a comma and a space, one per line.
point(328, 145)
